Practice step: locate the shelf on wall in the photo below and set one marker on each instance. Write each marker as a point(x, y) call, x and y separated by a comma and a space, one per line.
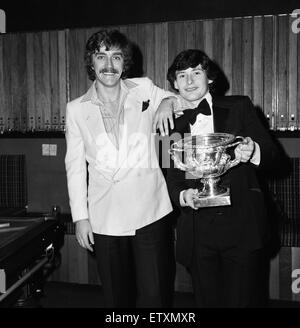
point(61, 134)
point(286, 134)
point(34, 134)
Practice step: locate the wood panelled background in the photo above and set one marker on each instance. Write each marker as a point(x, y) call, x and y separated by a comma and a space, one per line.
point(33, 81)
point(40, 72)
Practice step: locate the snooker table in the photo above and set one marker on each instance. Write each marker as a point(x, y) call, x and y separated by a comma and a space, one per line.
point(29, 247)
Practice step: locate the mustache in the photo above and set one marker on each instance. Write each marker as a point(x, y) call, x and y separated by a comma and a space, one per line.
point(109, 70)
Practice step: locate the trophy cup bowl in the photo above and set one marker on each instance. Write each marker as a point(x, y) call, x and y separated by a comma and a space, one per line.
point(204, 156)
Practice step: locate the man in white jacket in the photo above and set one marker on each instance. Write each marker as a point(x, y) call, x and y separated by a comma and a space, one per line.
point(120, 205)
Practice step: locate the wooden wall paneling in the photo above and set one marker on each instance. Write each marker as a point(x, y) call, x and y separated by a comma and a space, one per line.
point(227, 53)
point(257, 91)
point(247, 55)
point(154, 54)
point(123, 29)
point(78, 80)
point(92, 30)
point(182, 36)
point(132, 32)
point(18, 81)
point(140, 57)
point(55, 71)
point(8, 96)
point(274, 117)
point(161, 54)
point(63, 81)
point(292, 76)
point(275, 75)
point(175, 43)
point(3, 114)
point(282, 69)
point(298, 81)
point(23, 84)
point(54, 80)
point(45, 106)
point(87, 34)
point(146, 40)
point(42, 80)
point(74, 46)
point(268, 69)
point(176, 40)
point(199, 38)
point(30, 62)
point(222, 54)
point(190, 34)
point(208, 37)
point(237, 64)
point(129, 31)
point(218, 42)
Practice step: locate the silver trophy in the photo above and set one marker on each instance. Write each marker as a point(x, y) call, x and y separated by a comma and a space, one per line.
point(204, 156)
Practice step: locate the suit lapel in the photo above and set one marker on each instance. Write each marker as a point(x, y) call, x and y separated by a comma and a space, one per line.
point(93, 119)
point(221, 114)
point(104, 146)
point(132, 113)
point(132, 103)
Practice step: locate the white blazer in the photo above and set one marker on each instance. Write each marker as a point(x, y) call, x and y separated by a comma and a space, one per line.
point(126, 189)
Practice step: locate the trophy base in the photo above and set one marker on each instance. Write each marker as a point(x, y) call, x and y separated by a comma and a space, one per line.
point(211, 201)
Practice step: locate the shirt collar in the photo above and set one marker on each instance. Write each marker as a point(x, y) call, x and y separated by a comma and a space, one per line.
point(208, 97)
point(185, 104)
point(91, 94)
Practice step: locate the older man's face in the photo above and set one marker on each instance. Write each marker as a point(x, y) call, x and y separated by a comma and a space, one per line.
point(108, 66)
point(192, 83)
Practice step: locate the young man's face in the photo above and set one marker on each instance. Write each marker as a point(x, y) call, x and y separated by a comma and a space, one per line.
point(108, 66)
point(192, 83)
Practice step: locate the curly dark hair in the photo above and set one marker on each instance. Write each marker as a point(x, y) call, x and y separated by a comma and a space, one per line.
point(192, 58)
point(110, 39)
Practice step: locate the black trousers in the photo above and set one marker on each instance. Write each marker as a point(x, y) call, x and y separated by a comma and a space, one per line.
point(223, 273)
point(138, 271)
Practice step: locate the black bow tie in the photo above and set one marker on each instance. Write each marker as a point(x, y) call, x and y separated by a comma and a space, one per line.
point(203, 108)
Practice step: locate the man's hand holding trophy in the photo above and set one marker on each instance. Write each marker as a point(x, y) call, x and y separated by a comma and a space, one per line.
point(205, 157)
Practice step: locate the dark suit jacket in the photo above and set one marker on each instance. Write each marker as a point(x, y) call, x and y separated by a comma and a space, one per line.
point(235, 115)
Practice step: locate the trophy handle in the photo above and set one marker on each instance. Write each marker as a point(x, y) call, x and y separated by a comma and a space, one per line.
point(237, 142)
point(231, 164)
point(178, 163)
point(234, 162)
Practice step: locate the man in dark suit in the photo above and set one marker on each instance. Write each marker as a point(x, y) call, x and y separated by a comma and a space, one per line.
point(222, 247)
